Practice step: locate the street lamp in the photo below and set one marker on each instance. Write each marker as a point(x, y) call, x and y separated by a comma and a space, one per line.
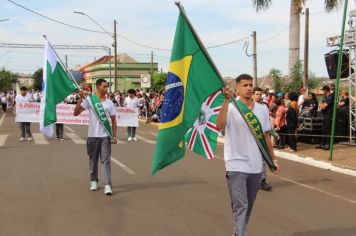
point(114, 37)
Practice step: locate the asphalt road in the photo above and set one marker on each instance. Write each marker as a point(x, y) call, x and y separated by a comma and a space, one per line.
point(45, 191)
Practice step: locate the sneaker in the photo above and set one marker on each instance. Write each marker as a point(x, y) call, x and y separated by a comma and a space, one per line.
point(107, 190)
point(62, 139)
point(93, 185)
point(21, 139)
point(130, 139)
point(29, 139)
point(265, 186)
point(134, 139)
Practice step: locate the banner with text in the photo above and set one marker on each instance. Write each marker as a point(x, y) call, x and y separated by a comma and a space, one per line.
point(30, 112)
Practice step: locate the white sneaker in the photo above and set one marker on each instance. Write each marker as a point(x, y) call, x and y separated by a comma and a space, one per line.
point(129, 139)
point(134, 138)
point(29, 139)
point(93, 185)
point(21, 139)
point(107, 190)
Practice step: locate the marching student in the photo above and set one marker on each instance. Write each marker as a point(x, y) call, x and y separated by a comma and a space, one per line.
point(243, 158)
point(132, 102)
point(99, 132)
point(25, 127)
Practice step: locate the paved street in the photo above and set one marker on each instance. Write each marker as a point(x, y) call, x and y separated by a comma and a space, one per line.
point(45, 191)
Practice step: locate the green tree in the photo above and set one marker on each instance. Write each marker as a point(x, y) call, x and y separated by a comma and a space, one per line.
point(279, 83)
point(158, 81)
point(38, 78)
point(296, 7)
point(7, 78)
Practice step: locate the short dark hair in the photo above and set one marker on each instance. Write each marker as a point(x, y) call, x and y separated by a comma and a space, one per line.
point(243, 77)
point(23, 88)
point(99, 82)
point(131, 91)
point(257, 89)
point(293, 96)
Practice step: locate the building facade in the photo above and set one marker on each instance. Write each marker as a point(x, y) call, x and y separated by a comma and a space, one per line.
point(129, 71)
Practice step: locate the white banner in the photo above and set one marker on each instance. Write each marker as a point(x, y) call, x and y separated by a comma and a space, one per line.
point(30, 112)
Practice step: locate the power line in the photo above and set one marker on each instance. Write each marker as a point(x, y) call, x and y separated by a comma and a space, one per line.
point(54, 20)
point(274, 36)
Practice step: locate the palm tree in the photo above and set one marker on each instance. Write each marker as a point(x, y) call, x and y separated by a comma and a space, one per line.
point(296, 7)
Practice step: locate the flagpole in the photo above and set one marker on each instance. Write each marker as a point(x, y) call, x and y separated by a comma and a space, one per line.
point(62, 64)
point(72, 78)
point(264, 152)
point(338, 75)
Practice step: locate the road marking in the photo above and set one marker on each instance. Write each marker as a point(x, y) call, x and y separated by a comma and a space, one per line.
point(124, 167)
point(69, 128)
point(145, 139)
point(2, 118)
point(319, 190)
point(40, 139)
point(3, 139)
point(75, 138)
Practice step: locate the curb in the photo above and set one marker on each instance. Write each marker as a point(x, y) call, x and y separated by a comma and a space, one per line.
point(316, 163)
point(309, 161)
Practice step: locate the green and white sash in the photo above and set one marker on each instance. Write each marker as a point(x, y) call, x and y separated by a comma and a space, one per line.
point(100, 113)
point(255, 125)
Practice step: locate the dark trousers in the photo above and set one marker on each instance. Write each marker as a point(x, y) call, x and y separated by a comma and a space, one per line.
point(59, 130)
point(292, 139)
point(325, 140)
point(282, 136)
point(4, 107)
point(25, 130)
point(131, 132)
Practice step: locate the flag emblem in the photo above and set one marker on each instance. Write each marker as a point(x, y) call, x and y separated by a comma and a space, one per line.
point(202, 137)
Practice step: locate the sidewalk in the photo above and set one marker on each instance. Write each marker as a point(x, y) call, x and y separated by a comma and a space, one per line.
point(344, 156)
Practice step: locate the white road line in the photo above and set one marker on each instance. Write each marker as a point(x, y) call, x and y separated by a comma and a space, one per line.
point(124, 167)
point(2, 118)
point(69, 128)
point(320, 190)
point(145, 139)
point(3, 139)
point(40, 139)
point(75, 138)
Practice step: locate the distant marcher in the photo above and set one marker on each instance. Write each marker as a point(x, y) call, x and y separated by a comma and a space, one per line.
point(132, 102)
point(24, 96)
point(4, 102)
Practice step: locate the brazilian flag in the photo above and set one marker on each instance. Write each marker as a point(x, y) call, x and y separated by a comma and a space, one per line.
point(192, 77)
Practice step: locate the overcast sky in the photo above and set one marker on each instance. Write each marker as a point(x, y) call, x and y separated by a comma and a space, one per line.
point(153, 23)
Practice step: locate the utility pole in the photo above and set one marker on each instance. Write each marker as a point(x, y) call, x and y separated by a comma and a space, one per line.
point(66, 60)
point(306, 50)
point(151, 64)
point(115, 58)
point(254, 58)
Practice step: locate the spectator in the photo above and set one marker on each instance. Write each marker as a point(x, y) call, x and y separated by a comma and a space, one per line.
point(280, 123)
point(292, 121)
point(345, 100)
point(326, 106)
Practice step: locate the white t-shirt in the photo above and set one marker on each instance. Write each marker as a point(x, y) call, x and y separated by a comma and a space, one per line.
point(3, 99)
point(131, 103)
point(96, 129)
point(27, 98)
point(241, 152)
point(300, 100)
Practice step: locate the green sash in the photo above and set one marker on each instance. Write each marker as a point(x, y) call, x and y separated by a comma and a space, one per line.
point(256, 128)
point(100, 113)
